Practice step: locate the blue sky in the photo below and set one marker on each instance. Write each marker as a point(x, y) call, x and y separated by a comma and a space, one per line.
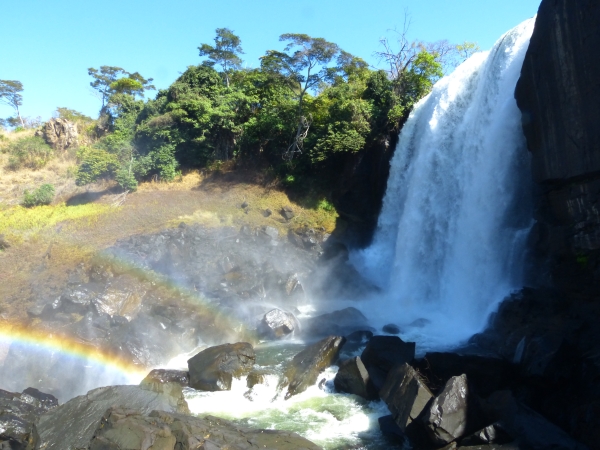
point(48, 45)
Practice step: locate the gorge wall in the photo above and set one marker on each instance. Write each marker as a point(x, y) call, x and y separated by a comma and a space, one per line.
point(559, 96)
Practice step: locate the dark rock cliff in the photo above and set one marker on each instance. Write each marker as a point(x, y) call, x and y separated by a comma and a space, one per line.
point(360, 191)
point(559, 96)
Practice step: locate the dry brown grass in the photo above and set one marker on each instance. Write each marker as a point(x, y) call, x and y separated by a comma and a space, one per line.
point(59, 172)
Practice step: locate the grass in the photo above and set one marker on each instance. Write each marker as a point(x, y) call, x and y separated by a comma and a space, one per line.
point(18, 222)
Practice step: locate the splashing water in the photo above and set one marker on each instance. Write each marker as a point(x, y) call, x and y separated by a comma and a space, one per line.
point(451, 234)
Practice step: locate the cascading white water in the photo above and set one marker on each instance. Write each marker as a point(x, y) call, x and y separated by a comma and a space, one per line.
point(451, 234)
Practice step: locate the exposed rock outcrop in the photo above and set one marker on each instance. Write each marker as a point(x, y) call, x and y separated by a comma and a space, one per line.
point(558, 95)
point(60, 134)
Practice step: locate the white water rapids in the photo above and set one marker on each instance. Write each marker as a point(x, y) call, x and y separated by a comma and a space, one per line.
point(450, 241)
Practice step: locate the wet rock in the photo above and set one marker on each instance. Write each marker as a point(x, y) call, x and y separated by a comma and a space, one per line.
point(39, 399)
point(419, 323)
point(353, 378)
point(257, 376)
point(340, 322)
point(162, 376)
point(73, 424)
point(390, 429)
point(390, 328)
point(405, 393)
point(287, 213)
point(492, 434)
point(360, 336)
point(267, 212)
point(446, 417)
point(124, 428)
point(305, 367)
point(384, 352)
point(78, 300)
point(277, 324)
point(214, 368)
point(18, 414)
point(270, 232)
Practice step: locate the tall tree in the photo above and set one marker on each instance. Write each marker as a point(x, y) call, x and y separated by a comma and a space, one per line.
point(226, 52)
point(109, 80)
point(304, 64)
point(10, 94)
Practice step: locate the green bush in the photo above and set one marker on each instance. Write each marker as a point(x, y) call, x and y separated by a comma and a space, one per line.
point(95, 164)
point(31, 152)
point(126, 179)
point(41, 196)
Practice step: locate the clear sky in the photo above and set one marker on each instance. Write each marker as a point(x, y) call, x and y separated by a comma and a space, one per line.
point(48, 45)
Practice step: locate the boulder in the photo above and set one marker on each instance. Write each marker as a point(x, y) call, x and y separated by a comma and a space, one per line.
point(60, 134)
point(305, 367)
point(128, 429)
point(73, 424)
point(387, 351)
point(390, 328)
point(214, 368)
point(287, 212)
point(405, 393)
point(492, 434)
point(342, 322)
point(18, 414)
point(163, 376)
point(277, 324)
point(353, 378)
point(446, 417)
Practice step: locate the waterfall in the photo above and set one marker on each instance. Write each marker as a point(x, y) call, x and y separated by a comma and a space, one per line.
point(450, 240)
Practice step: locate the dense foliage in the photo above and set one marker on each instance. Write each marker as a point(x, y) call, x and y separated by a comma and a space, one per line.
point(30, 152)
point(41, 196)
point(302, 112)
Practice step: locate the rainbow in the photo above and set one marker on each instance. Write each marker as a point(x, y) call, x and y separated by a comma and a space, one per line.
point(64, 345)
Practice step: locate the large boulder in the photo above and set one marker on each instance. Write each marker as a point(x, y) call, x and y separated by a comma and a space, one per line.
point(353, 378)
point(214, 368)
point(446, 417)
point(60, 134)
point(384, 352)
point(277, 324)
point(128, 429)
point(73, 424)
point(304, 369)
point(406, 394)
point(342, 322)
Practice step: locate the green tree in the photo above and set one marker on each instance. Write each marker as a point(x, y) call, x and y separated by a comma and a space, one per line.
point(304, 65)
point(10, 94)
point(109, 80)
point(225, 52)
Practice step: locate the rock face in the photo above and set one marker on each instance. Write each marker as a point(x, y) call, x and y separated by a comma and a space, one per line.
point(277, 324)
point(73, 424)
point(405, 394)
point(306, 365)
point(128, 429)
point(214, 368)
point(60, 134)
point(558, 95)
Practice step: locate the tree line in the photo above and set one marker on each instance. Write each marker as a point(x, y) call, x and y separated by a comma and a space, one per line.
point(301, 112)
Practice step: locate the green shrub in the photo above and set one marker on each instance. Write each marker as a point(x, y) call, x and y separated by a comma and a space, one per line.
point(95, 164)
point(41, 196)
point(126, 179)
point(31, 152)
